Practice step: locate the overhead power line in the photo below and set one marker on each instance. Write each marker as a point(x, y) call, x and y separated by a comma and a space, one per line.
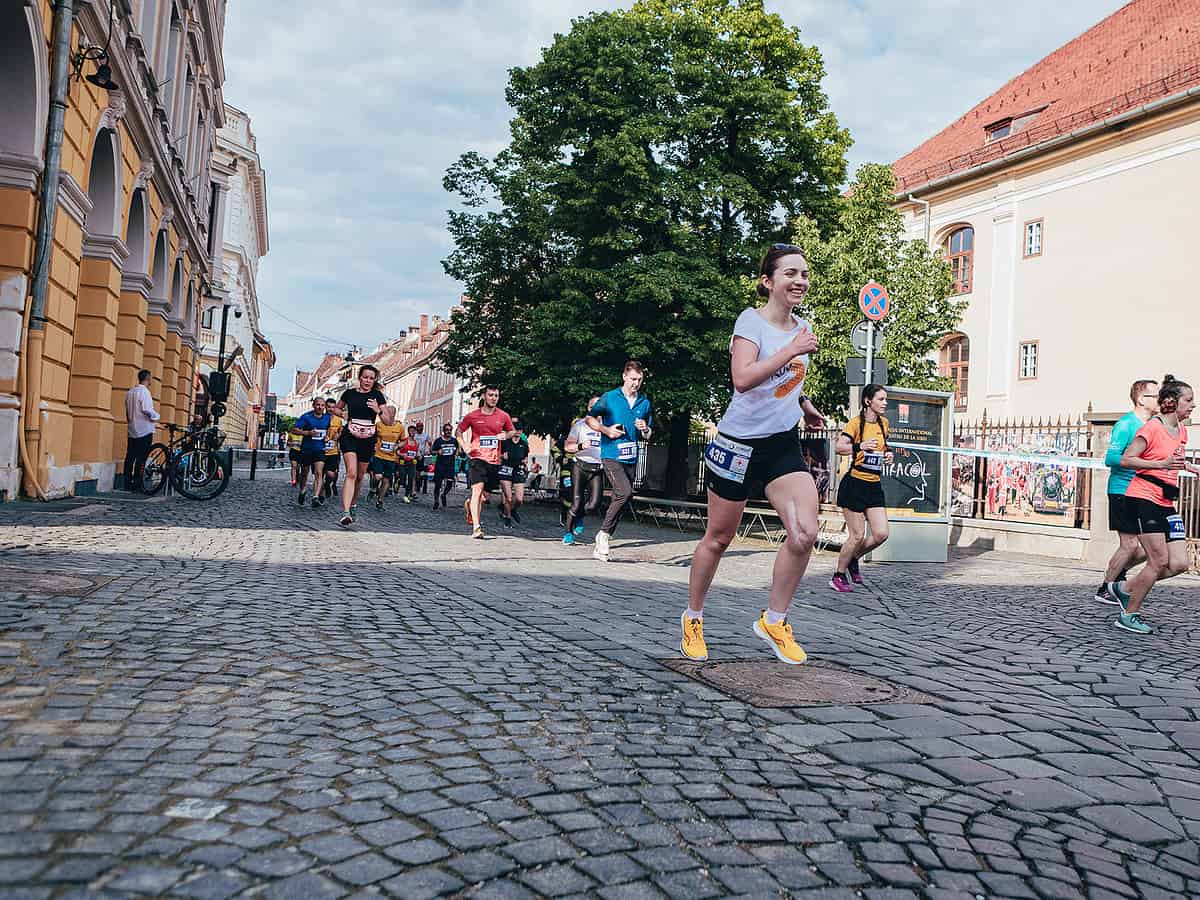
point(311, 331)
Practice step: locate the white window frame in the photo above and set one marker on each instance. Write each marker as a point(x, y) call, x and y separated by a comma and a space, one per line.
point(1035, 230)
point(1028, 358)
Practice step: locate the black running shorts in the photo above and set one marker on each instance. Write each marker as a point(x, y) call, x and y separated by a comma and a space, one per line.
point(771, 457)
point(1151, 518)
point(1120, 519)
point(363, 448)
point(858, 496)
point(308, 457)
point(484, 473)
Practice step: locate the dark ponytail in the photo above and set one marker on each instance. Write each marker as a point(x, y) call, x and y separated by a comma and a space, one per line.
point(1169, 393)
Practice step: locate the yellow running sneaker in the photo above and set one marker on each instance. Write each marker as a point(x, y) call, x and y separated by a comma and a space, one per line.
point(692, 645)
point(781, 641)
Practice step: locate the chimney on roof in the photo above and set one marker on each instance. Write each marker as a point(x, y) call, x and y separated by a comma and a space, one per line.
point(301, 378)
point(424, 325)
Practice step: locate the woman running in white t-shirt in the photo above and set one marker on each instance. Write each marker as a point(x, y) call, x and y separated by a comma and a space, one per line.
point(757, 441)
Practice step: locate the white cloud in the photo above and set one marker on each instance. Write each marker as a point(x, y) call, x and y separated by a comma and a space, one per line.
point(359, 106)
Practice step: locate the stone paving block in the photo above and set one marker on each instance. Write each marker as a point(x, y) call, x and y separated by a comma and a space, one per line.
point(419, 884)
point(213, 886)
point(1037, 793)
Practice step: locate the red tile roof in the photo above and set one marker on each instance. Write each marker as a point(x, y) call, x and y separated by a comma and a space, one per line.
point(1145, 50)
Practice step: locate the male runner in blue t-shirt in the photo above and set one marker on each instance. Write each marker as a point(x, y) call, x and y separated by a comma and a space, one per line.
point(1144, 395)
point(621, 416)
point(313, 426)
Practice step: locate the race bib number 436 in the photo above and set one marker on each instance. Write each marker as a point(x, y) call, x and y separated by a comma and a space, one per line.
point(728, 459)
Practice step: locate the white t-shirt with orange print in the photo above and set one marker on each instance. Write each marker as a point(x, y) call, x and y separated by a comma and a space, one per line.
point(774, 405)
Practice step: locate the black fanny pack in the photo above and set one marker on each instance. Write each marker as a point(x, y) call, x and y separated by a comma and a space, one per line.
point(1170, 491)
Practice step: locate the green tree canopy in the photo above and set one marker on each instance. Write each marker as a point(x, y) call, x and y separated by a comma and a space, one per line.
point(655, 153)
point(868, 244)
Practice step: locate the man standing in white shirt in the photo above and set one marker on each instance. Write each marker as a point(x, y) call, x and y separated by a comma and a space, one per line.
point(139, 418)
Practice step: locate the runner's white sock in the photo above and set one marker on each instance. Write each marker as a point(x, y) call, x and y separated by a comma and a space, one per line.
point(692, 614)
point(774, 618)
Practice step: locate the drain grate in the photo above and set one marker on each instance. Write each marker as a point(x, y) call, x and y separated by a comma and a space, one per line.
point(768, 684)
point(50, 584)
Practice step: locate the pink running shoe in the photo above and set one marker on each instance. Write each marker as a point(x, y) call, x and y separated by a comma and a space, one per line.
point(839, 583)
point(853, 572)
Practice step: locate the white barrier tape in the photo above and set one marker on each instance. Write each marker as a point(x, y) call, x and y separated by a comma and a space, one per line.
point(1047, 459)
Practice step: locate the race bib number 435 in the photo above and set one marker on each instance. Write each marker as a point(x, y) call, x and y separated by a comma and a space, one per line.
point(728, 459)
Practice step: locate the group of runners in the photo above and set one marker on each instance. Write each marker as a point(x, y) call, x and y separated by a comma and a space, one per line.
point(360, 430)
point(757, 448)
point(1146, 455)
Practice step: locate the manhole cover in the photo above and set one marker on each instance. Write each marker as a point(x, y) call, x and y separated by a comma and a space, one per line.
point(769, 684)
point(54, 584)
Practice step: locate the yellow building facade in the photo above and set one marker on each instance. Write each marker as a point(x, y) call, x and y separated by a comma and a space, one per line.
point(130, 255)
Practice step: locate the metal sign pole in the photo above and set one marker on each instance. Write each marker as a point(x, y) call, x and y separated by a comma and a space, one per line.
point(870, 351)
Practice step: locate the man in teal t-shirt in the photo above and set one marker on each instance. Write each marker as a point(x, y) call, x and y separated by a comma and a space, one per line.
point(1144, 394)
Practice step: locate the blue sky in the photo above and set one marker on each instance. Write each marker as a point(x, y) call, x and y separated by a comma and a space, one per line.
point(360, 105)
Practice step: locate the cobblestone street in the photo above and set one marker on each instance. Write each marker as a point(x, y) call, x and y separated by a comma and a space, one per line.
point(211, 700)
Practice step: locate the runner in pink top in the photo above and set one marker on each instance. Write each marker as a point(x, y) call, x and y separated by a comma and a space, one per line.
point(1157, 456)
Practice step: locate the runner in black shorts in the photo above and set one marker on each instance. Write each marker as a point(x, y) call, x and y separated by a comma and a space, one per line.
point(757, 441)
point(1157, 455)
point(489, 426)
point(860, 495)
point(445, 451)
point(359, 406)
point(1144, 394)
point(513, 453)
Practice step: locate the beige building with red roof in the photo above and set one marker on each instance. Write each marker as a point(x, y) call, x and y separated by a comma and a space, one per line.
point(1068, 204)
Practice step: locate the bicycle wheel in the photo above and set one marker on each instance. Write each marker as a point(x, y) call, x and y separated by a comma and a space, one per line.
point(154, 471)
point(200, 474)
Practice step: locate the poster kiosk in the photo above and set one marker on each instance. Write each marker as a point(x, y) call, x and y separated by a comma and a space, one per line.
point(916, 485)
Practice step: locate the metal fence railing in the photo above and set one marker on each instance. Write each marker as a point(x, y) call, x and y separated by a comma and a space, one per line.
point(1018, 490)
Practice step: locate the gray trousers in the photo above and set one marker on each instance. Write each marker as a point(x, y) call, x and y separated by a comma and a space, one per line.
point(620, 476)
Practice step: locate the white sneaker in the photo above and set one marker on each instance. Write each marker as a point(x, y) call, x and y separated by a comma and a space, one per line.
point(601, 551)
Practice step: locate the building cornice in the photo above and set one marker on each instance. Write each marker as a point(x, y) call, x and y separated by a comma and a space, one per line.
point(137, 283)
point(108, 247)
point(72, 199)
point(19, 171)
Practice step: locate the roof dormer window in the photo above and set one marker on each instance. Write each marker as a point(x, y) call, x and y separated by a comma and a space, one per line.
point(1011, 125)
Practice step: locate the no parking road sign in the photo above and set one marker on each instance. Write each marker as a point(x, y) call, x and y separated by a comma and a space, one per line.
point(874, 301)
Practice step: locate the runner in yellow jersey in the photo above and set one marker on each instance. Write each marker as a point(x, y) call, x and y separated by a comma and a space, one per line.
point(294, 441)
point(383, 465)
point(333, 454)
point(860, 494)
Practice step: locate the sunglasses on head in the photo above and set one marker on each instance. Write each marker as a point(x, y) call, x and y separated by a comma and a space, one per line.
point(786, 247)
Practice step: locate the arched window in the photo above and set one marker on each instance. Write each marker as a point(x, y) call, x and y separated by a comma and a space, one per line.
point(960, 253)
point(954, 362)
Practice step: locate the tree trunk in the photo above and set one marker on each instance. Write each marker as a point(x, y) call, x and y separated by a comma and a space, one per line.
point(677, 455)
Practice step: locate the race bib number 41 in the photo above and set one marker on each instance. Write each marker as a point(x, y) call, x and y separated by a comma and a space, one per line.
point(1176, 530)
point(728, 459)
